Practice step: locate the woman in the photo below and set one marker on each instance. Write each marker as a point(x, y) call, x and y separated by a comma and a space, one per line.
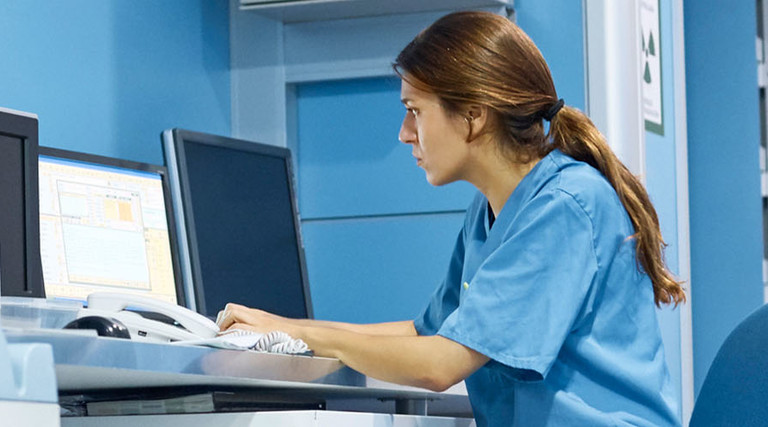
point(547, 310)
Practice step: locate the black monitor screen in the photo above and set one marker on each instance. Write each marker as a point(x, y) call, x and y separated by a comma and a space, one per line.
point(241, 223)
point(20, 271)
point(106, 224)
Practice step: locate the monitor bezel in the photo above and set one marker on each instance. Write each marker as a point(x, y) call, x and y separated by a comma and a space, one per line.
point(174, 141)
point(24, 127)
point(162, 171)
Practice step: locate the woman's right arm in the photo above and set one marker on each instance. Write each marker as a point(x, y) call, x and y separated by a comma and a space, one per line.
point(391, 352)
point(402, 328)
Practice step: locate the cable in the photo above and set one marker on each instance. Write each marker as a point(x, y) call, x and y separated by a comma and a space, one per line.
point(280, 342)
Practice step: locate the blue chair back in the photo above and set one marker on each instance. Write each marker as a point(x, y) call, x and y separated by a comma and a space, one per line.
point(735, 391)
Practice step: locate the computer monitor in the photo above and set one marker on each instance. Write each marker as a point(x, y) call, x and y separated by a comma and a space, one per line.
point(106, 225)
point(240, 224)
point(20, 272)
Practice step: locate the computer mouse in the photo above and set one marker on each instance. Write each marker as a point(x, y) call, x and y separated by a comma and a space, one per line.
point(105, 327)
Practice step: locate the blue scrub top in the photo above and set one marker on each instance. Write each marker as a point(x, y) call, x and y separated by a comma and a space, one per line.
point(552, 294)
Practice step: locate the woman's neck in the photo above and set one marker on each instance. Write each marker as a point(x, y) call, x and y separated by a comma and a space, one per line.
point(497, 177)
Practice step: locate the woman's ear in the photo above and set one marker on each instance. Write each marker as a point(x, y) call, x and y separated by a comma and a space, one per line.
point(476, 117)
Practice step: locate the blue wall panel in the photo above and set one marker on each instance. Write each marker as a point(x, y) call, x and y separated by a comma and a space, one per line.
point(350, 160)
point(557, 28)
point(377, 269)
point(380, 262)
point(107, 76)
point(724, 172)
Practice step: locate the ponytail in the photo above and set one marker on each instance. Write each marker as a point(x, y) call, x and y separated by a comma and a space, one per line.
point(575, 135)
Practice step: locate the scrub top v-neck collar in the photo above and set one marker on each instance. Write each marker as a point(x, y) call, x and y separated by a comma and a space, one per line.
point(524, 190)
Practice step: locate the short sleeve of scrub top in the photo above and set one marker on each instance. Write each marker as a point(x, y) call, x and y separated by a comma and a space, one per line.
point(445, 299)
point(513, 305)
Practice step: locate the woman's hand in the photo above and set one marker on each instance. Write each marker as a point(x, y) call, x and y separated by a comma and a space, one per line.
point(236, 316)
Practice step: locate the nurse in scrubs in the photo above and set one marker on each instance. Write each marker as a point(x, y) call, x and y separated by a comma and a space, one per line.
point(548, 306)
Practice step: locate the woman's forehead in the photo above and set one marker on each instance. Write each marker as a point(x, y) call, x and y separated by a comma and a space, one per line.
point(410, 93)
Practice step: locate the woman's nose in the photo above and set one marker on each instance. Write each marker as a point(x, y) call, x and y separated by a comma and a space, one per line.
point(407, 133)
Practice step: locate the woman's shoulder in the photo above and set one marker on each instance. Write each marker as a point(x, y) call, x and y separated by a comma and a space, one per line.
point(585, 185)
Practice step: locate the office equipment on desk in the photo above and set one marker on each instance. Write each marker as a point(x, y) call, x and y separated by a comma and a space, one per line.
point(28, 395)
point(103, 326)
point(37, 313)
point(106, 225)
point(183, 325)
point(202, 402)
point(239, 223)
point(20, 271)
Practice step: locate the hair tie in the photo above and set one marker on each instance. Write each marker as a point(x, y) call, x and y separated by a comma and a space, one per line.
point(550, 114)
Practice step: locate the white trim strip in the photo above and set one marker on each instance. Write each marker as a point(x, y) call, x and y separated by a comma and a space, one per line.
point(683, 226)
point(614, 81)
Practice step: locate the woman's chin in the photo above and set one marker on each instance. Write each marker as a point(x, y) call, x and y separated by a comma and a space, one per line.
point(436, 181)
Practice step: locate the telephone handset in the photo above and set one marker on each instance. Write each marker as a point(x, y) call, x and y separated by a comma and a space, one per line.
point(194, 326)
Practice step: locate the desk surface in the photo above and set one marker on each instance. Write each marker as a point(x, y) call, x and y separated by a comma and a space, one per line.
point(90, 363)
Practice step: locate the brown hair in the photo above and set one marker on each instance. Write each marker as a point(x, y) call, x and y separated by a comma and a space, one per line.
point(484, 59)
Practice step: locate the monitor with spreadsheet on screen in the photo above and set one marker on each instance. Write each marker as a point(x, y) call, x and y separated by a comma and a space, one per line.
point(106, 225)
point(240, 224)
point(20, 273)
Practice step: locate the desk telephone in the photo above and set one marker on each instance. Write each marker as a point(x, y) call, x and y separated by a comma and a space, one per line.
point(191, 325)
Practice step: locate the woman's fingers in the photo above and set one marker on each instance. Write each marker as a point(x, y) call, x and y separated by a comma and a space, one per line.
point(220, 317)
point(236, 314)
point(244, 327)
point(228, 316)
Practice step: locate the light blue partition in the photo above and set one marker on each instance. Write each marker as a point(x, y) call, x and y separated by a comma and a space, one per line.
point(349, 158)
point(377, 269)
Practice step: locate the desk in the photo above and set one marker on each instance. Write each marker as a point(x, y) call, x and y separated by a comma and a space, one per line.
point(97, 367)
point(271, 419)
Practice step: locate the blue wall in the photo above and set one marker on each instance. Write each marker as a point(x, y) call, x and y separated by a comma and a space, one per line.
point(724, 172)
point(378, 237)
point(557, 28)
point(107, 76)
point(350, 160)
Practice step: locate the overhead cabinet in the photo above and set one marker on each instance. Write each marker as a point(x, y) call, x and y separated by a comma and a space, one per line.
point(316, 10)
